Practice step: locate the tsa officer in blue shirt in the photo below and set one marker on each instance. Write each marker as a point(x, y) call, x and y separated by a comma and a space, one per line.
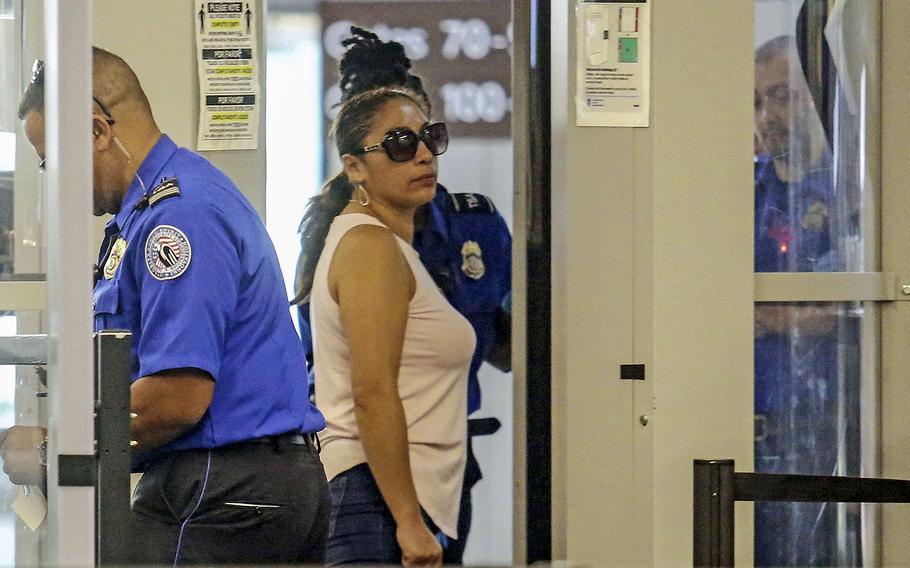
point(463, 242)
point(224, 429)
point(466, 246)
point(802, 351)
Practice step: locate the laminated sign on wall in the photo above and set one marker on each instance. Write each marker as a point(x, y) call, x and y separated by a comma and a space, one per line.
point(226, 56)
point(613, 62)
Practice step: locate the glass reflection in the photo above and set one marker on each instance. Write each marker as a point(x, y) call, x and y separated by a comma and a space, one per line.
point(22, 399)
point(811, 215)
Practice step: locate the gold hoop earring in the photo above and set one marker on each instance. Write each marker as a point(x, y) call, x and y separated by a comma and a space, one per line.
point(360, 195)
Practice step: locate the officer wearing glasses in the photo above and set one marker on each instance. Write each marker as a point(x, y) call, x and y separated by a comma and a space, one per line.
point(224, 430)
point(799, 355)
point(463, 242)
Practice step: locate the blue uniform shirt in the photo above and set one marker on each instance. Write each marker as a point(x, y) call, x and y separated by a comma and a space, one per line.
point(794, 376)
point(195, 279)
point(466, 247)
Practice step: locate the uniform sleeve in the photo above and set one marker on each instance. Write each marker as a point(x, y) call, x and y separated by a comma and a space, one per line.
point(188, 274)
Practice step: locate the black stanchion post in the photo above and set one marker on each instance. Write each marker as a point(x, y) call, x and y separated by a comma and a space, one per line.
point(112, 431)
point(712, 535)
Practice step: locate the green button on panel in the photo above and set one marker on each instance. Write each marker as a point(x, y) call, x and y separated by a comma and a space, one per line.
point(628, 50)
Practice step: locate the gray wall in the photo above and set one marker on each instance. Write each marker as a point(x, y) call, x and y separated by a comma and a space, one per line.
point(158, 40)
point(652, 263)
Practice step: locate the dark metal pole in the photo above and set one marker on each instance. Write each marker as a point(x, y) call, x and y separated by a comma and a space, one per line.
point(539, 535)
point(712, 535)
point(112, 430)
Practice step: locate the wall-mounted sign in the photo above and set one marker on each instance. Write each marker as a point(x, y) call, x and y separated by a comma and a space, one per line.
point(227, 60)
point(613, 62)
point(461, 49)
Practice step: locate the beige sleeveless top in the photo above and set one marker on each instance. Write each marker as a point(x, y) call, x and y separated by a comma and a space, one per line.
point(432, 382)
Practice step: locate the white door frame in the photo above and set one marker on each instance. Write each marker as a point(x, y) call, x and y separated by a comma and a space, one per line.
point(68, 39)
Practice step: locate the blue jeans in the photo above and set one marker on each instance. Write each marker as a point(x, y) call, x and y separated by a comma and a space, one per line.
point(361, 526)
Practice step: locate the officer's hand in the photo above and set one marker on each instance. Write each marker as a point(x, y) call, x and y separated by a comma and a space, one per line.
point(19, 452)
point(418, 546)
point(772, 319)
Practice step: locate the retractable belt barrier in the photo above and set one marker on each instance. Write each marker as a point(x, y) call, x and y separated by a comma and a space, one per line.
point(717, 487)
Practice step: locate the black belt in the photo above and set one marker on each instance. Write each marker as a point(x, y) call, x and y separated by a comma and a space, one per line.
point(287, 439)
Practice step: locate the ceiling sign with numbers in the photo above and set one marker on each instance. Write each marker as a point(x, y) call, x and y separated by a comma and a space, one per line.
point(461, 49)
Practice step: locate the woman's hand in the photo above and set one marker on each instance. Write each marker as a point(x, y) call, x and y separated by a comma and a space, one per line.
point(418, 545)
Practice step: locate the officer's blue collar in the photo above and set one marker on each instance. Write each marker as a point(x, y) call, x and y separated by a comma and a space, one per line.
point(434, 221)
point(151, 166)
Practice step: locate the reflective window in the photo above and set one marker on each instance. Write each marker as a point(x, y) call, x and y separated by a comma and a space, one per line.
point(21, 242)
point(21, 237)
point(22, 403)
point(815, 65)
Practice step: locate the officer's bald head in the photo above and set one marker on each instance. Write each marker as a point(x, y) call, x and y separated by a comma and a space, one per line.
point(114, 84)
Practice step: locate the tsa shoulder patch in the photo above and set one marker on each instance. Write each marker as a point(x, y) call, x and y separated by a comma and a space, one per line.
point(472, 203)
point(167, 188)
point(167, 252)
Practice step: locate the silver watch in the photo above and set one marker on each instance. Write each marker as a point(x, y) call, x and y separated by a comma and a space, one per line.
point(42, 452)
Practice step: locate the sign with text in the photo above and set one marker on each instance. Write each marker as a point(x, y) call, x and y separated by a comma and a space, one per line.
point(228, 75)
point(461, 49)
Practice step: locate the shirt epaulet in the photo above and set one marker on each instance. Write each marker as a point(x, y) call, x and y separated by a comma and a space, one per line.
point(167, 188)
point(472, 203)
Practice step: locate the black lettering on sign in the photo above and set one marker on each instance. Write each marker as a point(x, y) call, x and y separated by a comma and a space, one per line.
point(229, 100)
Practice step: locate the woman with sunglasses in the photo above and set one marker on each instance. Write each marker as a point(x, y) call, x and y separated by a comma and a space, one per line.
point(391, 353)
point(463, 242)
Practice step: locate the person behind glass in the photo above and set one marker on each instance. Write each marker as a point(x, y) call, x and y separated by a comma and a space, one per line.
point(391, 353)
point(462, 240)
point(223, 427)
point(796, 345)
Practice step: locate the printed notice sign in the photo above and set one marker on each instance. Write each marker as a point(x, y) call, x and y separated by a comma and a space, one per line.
point(613, 70)
point(227, 59)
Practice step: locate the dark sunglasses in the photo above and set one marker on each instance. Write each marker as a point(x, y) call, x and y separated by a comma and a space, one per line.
point(401, 144)
point(38, 79)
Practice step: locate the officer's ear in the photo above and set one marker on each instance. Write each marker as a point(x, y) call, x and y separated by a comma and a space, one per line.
point(101, 133)
point(354, 167)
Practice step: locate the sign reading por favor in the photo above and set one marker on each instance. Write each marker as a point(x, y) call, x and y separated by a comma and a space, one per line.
point(227, 60)
point(461, 49)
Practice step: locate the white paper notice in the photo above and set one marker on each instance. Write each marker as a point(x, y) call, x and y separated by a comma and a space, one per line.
point(613, 62)
point(31, 506)
point(227, 58)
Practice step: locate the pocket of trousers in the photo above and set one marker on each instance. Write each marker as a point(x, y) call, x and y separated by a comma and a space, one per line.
point(250, 506)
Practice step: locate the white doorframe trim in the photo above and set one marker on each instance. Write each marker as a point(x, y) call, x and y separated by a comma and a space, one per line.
point(68, 39)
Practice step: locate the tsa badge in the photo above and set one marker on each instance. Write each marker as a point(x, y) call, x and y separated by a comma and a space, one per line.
point(471, 260)
point(167, 252)
point(114, 258)
point(814, 219)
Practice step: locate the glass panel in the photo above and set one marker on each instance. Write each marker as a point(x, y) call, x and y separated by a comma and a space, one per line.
point(808, 377)
point(22, 404)
point(22, 401)
point(21, 237)
point(815, 69)
point(812, 68)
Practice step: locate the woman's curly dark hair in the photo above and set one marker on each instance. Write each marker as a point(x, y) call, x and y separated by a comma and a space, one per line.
point(373, 72)
point(370, 63)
